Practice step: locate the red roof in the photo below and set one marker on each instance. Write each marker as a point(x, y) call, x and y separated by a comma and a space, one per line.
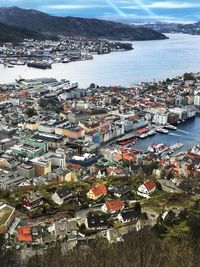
point(162, 161)
point(99, 190)
point(150, 185)
point(115, 205)
point(24, 234)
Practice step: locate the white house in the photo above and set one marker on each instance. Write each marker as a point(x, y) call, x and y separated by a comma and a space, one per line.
point(61, 195)
point(147, 188)
point(128, 216)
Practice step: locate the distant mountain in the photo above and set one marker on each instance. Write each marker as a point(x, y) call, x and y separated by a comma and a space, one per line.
point(193, 29)
point(41, 22)
point(15, 34)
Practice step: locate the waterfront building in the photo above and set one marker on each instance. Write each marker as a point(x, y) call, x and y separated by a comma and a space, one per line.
point(197, 99)
point(161, 118)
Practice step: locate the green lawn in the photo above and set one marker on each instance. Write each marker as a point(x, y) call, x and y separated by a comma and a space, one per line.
point(162, 201)
point(4, 215)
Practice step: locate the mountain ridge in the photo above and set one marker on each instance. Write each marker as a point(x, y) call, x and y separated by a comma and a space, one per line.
point(75, 26)
point(15, 34)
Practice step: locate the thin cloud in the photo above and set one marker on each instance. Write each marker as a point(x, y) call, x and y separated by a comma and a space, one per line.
point(60, 7)
point(164, 5)
point(174, 5)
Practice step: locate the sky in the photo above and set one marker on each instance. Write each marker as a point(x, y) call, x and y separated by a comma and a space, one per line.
point(183, 11)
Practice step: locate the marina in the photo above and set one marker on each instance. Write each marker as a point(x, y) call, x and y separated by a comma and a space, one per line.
point(187, 132)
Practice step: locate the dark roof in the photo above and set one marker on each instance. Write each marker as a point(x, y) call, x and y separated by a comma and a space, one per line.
point(34, 196)
point(63, 192)
point(48, 138)
point(121, 189)
point(129, 214)
point(97, 221)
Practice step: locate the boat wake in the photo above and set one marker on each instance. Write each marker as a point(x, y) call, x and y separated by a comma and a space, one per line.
point(178, 135)
point(184, 131)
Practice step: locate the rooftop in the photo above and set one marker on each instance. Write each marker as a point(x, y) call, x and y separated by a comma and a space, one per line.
point(5, 213)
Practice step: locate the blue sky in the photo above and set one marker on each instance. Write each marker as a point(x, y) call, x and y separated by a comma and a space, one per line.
point(126, 10)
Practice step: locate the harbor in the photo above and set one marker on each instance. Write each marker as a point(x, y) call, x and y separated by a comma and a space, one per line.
point(109, 69)
point(187, 133)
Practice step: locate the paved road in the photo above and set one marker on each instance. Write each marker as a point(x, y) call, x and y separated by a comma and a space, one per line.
point(82, 214)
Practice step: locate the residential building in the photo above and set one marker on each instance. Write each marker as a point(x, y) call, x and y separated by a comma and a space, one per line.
point(97, 192)
point(32, 200)
point(24, 234)
point(61, 195)
point(147, 188)
point(129, 215)
point(65, 175)
point(120, 190)
point(113, 206)
point(97, 222)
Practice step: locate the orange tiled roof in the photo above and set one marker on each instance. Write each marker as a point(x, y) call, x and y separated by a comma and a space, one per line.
point(117, 156)
point(99, 190)
point(24, 234)
point(127, 156)
point(162, 161)
point(115, 205)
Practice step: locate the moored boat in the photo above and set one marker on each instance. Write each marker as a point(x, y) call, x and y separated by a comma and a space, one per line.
point(170, 127)
point(162, 130)
point(142, 136)
point(151, 132)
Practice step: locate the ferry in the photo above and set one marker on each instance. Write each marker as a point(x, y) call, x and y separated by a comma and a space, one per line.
point(39, 65)
point(170, 127)
point(162, 130)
